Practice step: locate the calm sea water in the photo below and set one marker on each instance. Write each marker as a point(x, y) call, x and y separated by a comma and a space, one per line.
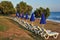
point(54, 16)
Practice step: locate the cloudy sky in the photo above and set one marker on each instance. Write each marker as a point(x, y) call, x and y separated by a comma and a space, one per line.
point(54, 5)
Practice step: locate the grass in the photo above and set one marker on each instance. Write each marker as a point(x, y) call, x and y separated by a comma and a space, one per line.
point(3, 28)
point(7, 38)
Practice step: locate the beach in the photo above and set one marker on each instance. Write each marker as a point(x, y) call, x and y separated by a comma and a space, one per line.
point(29, 20)
point(50, 25)
point(55, 27)
point(15, 28)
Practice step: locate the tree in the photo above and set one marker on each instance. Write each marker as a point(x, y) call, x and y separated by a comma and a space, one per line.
point(28, 9)
point(1, 9)
point(47, 12)
point(22, 7)
point(37, 13)
point(7, 7)
point(18, 8)
point(41, 10)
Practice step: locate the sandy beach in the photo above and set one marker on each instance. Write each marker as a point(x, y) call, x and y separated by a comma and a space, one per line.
point(50, 25)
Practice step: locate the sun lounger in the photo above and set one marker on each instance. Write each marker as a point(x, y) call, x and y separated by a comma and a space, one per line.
point(19, 20)
point(31, 27)
point(41, 31)
point(46, 34)
point(15, 19)
point(23, 22)
point(37, 30)
point(27, 25)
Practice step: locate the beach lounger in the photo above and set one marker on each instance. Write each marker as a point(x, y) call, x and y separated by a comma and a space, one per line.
point(37, 30)
point(46, 34)
point(15, 19)
point(19, 20)
point(31, 27)
point(23, 22)
point(26, 25)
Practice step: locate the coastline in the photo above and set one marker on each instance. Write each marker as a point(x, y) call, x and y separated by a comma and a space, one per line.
point(50, 20)
point(53, 20)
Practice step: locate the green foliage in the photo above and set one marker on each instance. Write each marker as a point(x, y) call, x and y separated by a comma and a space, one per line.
point(3, 28)
point(6, 38)
point(41, 10)
point(22, 7)
point(7, 7)
point(47, 12)
point(1, 9)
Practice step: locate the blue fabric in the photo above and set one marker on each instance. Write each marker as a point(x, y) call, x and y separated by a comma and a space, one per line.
point(22, 16)
point(43, 19)
point(17, 14)
point(26, 17)
point(32, 17)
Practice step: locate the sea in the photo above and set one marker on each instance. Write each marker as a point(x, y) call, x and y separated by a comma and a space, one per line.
point(54, 16)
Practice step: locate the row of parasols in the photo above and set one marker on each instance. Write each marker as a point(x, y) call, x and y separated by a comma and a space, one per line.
point(32, 18)
point(42, 31)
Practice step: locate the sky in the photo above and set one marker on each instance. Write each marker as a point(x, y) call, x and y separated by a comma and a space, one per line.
point(53, 5)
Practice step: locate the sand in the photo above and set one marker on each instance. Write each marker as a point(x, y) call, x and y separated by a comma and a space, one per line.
point(50, 25)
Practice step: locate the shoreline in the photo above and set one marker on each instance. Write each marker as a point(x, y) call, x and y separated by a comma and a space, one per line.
point(53, 20)
point(50, 20)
